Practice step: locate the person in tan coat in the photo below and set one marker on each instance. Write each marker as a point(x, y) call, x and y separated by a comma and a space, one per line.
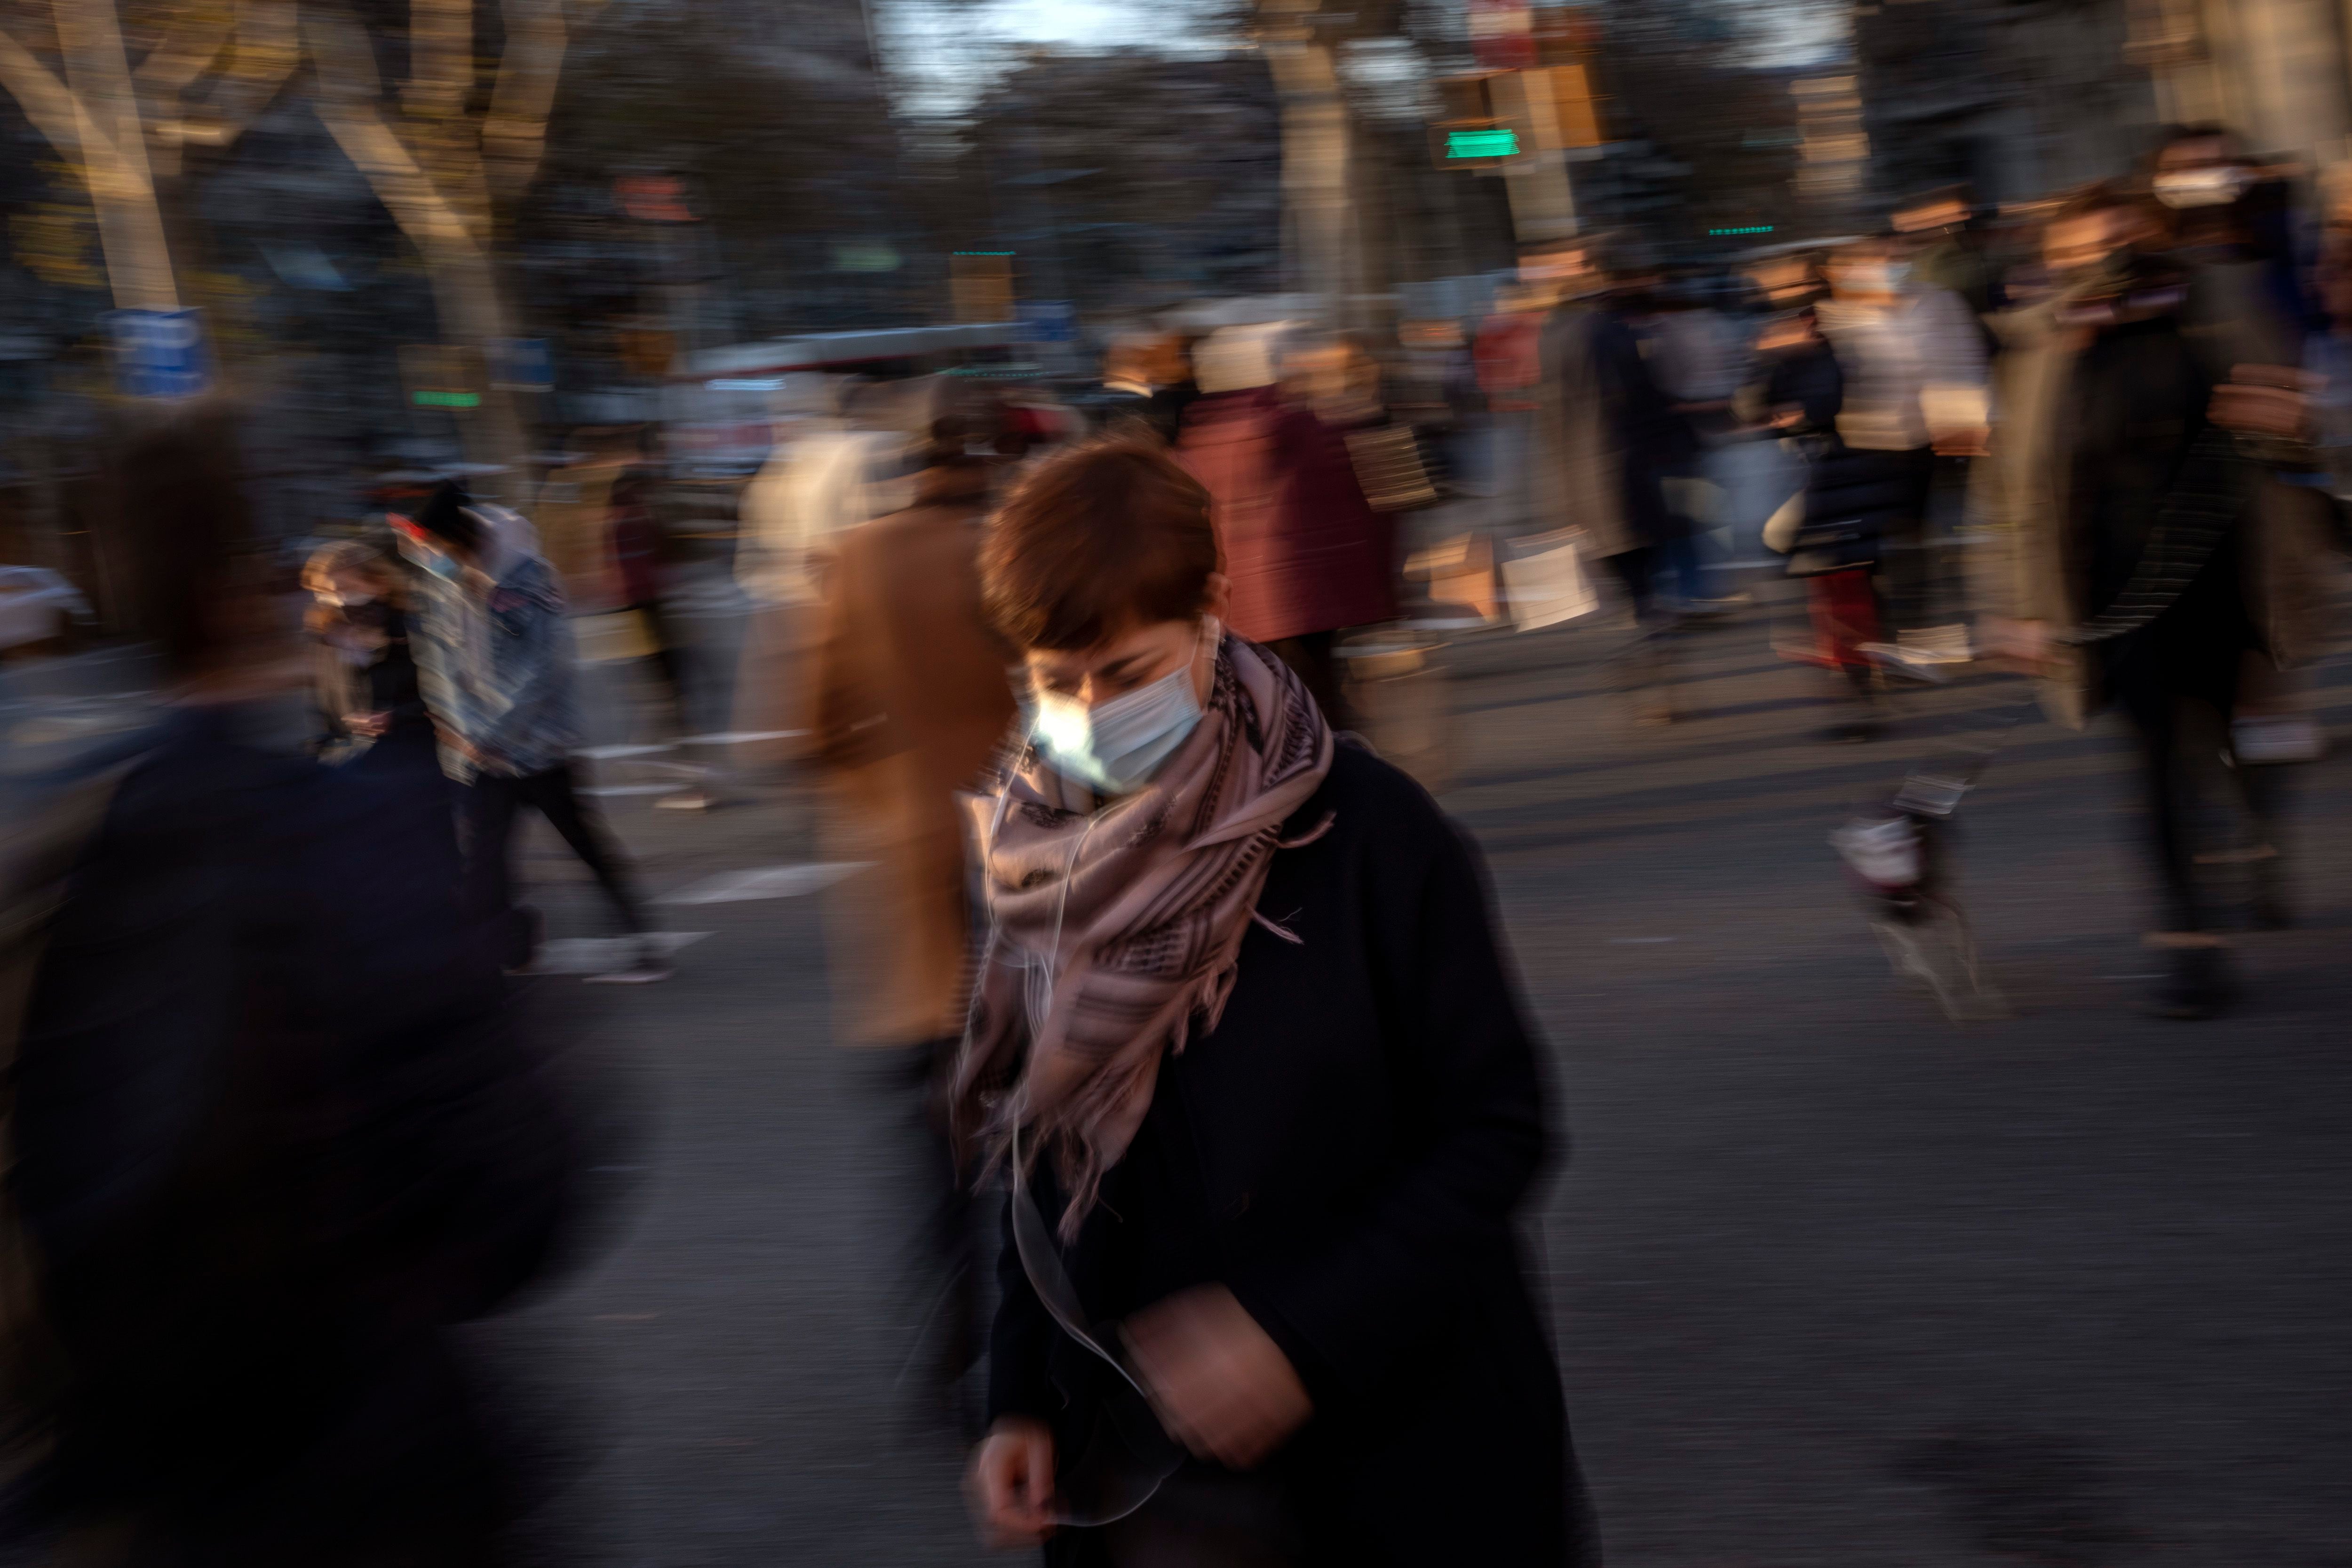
point(910, 702)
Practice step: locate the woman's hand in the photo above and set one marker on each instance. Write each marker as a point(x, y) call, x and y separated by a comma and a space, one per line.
point(1222, 1387)
point(1011, 1482)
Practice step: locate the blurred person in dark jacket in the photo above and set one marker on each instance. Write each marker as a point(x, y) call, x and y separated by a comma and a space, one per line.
point(495, 657)
point(1913, 358)
point(1307, 554)
point(639, 543)
point(910, 703)
point(275, 1133)
point(1831, 530)
point(2225, 206)
point(1149, 378)
point(2151, 552)
point(1246, 1038)
point(1607, 436)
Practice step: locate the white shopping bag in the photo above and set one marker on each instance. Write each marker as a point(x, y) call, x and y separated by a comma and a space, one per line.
point(1544, 582)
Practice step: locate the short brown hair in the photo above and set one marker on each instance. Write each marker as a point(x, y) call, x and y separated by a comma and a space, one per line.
point(1093, 540)
point(196, 565)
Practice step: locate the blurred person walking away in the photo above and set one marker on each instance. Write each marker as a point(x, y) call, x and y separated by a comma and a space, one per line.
point(1248, 1044)
point(274, 1135)
point(1700, 361)
point(1832, 528)
point(910, 705)
point(1606, 438)
point(1440, 399)
point(639, 543)
point(1307, 554)
point(1507, 359)
point(2152, 551)
point(495, 657)
point(834, 468)
point(1913, 357)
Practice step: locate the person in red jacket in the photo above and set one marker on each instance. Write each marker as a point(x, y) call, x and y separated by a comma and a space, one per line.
point(1307, 554)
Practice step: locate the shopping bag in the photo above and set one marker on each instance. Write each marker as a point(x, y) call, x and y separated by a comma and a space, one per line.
point(1545, 583)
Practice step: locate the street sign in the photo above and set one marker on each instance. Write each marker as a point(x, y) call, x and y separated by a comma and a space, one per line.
point(159, 354)
point(1492, 142)
point(442, 375)
point(522, 365)
point(1048, 322)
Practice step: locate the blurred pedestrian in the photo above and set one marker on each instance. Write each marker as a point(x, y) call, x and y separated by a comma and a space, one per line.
point(1606, 438)
point(1698, 357)
point(639, 545)
point(1305, 553)
point(1913, 359)
point(369, 699)
point(1245, 1038)
point(1833, 527)
point(1149, 378)
point(495, 661)
point(274, 1134)
point(911, 704)
point(2153, 553)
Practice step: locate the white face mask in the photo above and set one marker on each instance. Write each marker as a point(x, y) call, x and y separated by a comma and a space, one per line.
point(1877, 277)
point(1117, 746)
point(2213, 187)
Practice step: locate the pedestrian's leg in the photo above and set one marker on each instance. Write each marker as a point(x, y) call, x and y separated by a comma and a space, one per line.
point(1844, 610)
point(553, 793)
point(946, 1262)
point(1634, 568)
point(1648, 674)
point(2195, 983)
point(489, 809)
point(666, 657)
point(1681, 562)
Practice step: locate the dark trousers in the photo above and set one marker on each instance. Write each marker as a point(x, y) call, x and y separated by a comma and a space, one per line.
point(945, 1260)
point(2180, 694)
point(1636, 570)
point(668, 662)
point(1910, 550)
point(491, 804)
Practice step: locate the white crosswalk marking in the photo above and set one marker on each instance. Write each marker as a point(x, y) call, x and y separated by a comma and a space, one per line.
point(764, 882)
point(601, 954)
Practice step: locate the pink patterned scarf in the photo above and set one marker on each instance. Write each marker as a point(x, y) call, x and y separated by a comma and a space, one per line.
point(1110, 929)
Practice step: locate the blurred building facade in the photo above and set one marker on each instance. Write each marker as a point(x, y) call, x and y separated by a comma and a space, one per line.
point(2014, 100)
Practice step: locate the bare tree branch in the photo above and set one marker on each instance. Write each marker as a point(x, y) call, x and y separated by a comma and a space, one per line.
point(514, 137)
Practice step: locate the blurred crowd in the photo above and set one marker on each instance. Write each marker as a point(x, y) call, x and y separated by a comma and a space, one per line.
point(1190, 1003)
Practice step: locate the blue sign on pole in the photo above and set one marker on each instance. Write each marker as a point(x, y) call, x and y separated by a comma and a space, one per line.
point(1048, 322)
point(159, 354)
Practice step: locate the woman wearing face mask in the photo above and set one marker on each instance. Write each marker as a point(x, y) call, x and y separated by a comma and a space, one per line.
point(1244, 1040)
point(1913, 358)
point(367, 689)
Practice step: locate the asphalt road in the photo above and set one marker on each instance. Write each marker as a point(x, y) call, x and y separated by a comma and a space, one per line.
point(1836, 1281)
